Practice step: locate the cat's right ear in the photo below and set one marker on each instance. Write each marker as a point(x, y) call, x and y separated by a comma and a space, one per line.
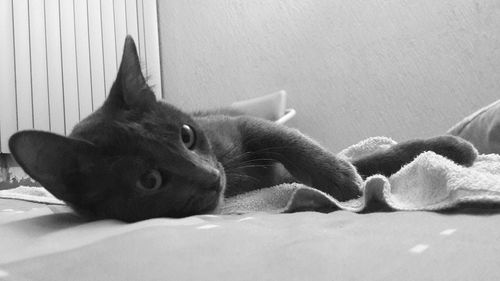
point(51, 159)
point(130, 90)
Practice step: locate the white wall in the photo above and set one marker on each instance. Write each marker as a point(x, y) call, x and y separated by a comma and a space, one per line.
point(352, 68)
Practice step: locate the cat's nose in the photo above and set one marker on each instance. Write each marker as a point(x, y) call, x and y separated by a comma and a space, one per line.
point(215, 182)
point(213, 175)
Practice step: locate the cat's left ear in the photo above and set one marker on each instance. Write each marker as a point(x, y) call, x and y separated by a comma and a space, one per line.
point(130, 89)
point(51, 159)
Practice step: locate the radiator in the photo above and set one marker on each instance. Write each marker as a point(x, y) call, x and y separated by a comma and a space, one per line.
point(59, 58)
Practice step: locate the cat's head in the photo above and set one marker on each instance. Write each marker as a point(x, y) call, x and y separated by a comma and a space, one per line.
point(132, 159)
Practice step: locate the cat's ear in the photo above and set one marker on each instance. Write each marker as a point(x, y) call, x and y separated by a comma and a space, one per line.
point(130, 89)
point(51, 159)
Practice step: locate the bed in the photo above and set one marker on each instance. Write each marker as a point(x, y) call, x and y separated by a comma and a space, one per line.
point(50, 242)
point(44, 243)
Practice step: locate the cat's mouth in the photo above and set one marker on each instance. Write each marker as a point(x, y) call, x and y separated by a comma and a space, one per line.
point(222, 178)
point(220, 185)
point(215, 188)
point(211, 195)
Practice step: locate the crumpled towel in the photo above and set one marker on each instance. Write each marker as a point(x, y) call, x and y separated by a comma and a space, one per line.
point(430, 182)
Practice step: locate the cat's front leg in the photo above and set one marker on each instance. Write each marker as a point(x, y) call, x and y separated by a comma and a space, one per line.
point(306, 160)
point(388, 162)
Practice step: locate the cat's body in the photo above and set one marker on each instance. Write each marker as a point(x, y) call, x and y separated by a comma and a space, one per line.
point(137, 158)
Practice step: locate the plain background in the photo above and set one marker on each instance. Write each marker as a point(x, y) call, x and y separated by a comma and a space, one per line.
point(352, 69)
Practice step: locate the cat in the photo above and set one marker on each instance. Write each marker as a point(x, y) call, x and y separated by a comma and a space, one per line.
point(137, 158)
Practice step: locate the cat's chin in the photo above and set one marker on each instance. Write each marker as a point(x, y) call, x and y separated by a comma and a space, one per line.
point(218, 206)
point(209, 204)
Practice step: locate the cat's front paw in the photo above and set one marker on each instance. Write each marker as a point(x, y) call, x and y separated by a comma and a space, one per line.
point(454, 148)
point(342, 181)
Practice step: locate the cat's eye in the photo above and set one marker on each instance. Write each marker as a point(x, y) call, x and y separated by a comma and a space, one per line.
point(188, 136)
point(151, 180)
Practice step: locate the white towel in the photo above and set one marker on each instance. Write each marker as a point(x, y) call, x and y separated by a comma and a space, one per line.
point(429, 182)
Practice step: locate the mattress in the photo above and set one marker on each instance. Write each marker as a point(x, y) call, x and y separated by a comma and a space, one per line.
point(50, 242)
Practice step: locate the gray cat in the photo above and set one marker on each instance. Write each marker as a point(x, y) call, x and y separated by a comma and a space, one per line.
point(137, 158)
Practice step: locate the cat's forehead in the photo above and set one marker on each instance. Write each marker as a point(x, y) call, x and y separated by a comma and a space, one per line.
point(170, 114)
point(102, 127)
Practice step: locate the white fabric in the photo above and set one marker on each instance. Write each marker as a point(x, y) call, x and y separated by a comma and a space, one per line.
point(429, 182)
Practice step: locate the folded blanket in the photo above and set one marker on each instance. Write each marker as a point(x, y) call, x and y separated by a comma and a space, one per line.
point(429, 182)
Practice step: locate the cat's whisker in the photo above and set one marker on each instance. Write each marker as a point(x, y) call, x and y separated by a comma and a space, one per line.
point(248, 164)
point(255, 166)
point(277, 154)
point(252, 161)
point(243, 176)
point(258, 160)
point(237, 158)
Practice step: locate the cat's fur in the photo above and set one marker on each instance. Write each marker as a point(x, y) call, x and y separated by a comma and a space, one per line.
point(131, 160)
